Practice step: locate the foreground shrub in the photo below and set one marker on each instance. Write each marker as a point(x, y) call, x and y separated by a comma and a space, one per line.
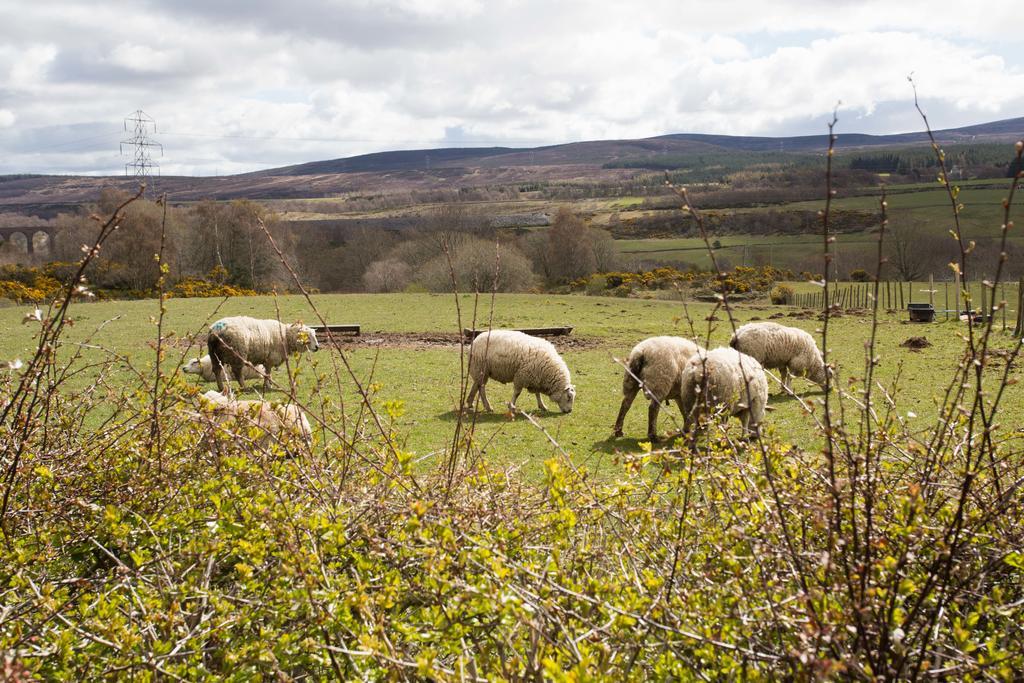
point(155, 545)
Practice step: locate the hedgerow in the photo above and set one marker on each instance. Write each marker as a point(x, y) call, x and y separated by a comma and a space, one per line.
point(739, 280)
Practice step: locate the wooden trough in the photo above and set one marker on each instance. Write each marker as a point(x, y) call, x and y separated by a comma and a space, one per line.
point(469, 333)
point(336, 329)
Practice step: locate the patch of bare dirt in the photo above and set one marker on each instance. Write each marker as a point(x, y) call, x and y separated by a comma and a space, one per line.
point(435, 340)
point(916, 343)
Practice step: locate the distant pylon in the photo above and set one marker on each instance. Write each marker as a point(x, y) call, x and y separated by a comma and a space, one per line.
point(142, 165)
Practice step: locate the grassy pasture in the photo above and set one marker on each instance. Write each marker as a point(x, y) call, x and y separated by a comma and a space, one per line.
point(928, 206)
point(424, 377)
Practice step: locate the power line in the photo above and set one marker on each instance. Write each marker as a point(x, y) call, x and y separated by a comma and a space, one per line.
point(142, 165)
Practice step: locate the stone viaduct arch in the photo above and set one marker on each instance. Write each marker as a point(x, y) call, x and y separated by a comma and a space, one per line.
point(30, 239)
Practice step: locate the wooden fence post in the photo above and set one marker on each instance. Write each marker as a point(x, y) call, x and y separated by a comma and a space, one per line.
point(946, 288)
point(1018, 329)
point(957, 292)
point(1002, 305)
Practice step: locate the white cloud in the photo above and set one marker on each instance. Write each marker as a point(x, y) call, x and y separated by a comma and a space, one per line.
point(143, 58)
point(29, 66)
point(328, 78)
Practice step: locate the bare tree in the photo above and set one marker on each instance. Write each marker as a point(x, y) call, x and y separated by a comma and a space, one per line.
point(387, 275)
point(567, 252)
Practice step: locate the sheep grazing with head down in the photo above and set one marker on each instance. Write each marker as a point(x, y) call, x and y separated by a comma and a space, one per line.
point(275, 420)
point(240, 341)
point(204, 368)
point(724, 378)
point(789, 349)
point(657, 364)
point(528, 362)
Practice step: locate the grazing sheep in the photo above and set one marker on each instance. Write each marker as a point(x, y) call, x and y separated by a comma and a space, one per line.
point(242, 341)
point(724, 377)
point(789, 349)
point(274, 419)
point(528, 362)
point(204, 368)
point(658, 363)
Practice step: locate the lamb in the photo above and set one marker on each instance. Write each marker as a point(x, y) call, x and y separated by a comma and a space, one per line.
point(242, 341)
point(658, 363)
point(204, 368)
point(275, 420)
point(528, 362)
point(728, 378)
point(789, 349)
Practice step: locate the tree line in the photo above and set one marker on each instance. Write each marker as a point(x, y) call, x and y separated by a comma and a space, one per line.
point(452, 245)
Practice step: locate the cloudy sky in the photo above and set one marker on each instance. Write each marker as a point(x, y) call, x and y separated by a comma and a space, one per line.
point(239, 85)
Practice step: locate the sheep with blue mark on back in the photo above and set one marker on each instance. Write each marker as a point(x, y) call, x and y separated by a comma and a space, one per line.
point(240, 341)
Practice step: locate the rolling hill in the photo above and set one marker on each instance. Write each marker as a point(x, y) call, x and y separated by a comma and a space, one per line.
point(455, 167)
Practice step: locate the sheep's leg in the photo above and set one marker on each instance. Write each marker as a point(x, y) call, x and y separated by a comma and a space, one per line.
point(652, 420)
point(787, 380)
point(687, 404)
point(483, 397)
point(222, 378)
point(516, 390)
point(237, 370)
point(627, 403)
point(540, 402)
point(746, 417)
point(266, 379)
point(472, 396)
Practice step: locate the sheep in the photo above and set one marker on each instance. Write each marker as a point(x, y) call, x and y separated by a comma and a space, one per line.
point(789, 349)
point(528, 362)
point(204, 368)
point(274, 419)
point(241, 341)
point(728, 378)
point(657, 363)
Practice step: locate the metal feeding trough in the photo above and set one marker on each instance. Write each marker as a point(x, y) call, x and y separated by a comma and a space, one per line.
point(921, 313)
point(469, 333)
point(336, 329)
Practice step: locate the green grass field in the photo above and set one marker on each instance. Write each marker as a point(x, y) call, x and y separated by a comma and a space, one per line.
point(924, 205)
point(425, 378)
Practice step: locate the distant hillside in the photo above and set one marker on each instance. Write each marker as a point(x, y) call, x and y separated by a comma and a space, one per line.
point(454, 168)
point(604, 151)
point(1008, 129)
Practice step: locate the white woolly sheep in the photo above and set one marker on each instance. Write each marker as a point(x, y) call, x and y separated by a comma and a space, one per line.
point(204, 368)
point(242, 341)
point(528, 362)
point(789, 349)
point(724, 378)
point(657, 363)
point(274, 419)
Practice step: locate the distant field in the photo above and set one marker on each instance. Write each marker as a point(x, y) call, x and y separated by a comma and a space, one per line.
point(424, 376)
point(982, 214)
point(738, 250)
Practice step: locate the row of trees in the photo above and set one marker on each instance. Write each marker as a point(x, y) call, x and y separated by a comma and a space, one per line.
point(450, 246)
point(226, 237)
point(457, 248)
